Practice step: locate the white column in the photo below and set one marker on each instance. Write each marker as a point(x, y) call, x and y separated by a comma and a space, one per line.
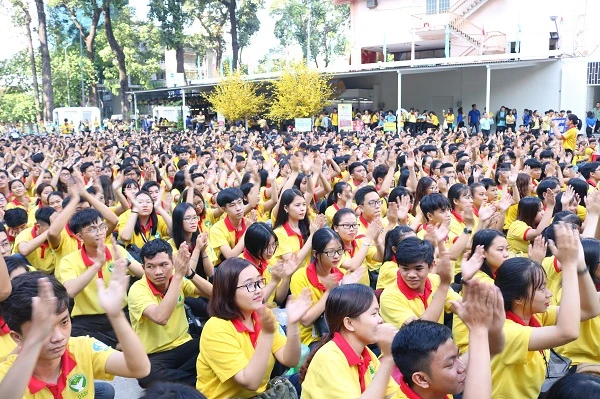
point(487, 88)
point(399, 90)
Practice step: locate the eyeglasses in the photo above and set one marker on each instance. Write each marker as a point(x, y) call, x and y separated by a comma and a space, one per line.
point(199, 205)
point(375, 202)
point(272, 247)
point(94, 230)
point(145, 202)
point(191, 219)
point(251, 287)
point(349, 226)
point(332, 253)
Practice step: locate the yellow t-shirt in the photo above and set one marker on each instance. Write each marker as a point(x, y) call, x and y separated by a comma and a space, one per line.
point(7, 345)
point(553, 278)
point(399, 305)
point(457, 227)
point(224, 352)
point(349, 254)
point(517, 244)
point(83, 362)
point(585, 348)
point(333, 372)
point(74, 265)
point(388, 273)
point(511, 215)
point(518, 372)
point(570, 139)
point(289, 242)
point(68, 244)
point(162, 231)
point(154, 337)
point(223, 233)
point(42, 258)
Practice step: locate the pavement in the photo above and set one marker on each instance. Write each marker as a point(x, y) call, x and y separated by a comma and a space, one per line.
point(126, 388)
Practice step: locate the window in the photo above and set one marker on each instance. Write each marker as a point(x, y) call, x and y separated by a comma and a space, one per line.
point(593, 73)
point(437, 6)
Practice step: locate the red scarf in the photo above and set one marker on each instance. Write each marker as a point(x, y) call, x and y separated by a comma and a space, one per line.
point(361, 362)
point(458, 217)
point(73, 236)
point(352, 248)
point(290, 232)
point(238, 233)
point(67, 364)
point(410, 394)
point(475, 211)
point(4, 328)
point(262, 264)
point(591, 183)
point(364, 221)
point(44, 245)
point(89, 262)
point(145, 229)
point(533, 322)
point(411, 294)
point(313, 278)
point(240, 327)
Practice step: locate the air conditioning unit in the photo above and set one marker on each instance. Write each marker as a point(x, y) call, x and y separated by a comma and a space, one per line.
point(371, 3)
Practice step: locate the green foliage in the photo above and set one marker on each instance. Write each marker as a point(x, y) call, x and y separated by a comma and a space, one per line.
point(329, 26)
point(17, 107)
point(70, 67)
point(173, 18)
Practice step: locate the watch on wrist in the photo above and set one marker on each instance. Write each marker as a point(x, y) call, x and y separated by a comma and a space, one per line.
point(467, 230)
point(192, 274)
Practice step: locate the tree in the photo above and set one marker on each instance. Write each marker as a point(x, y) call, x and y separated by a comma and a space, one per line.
point(70, 68)
point(248, 23)
point(79, 10)
point(48, 94)
point(300, 93)
point(119, 55)
point(17, 107)
point(329, 24)
point(213, 19)
point(236, 98)
point(173, 18)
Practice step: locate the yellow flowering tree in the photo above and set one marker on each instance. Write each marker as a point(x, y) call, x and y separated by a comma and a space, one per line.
point(300, 93)
point(236, 98)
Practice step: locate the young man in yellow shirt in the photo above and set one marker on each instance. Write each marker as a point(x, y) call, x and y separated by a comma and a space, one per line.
point(48, 363)
point(79, 271)
point(32, 242)
point(156, 310)
point(226, 237)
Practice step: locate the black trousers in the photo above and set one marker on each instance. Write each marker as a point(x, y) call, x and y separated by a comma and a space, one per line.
point(96, 326)
point(175, 365)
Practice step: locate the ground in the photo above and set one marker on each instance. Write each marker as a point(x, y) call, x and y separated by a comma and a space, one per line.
point(126, 388)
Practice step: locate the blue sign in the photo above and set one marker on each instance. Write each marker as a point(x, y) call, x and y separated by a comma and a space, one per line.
point(561, 123)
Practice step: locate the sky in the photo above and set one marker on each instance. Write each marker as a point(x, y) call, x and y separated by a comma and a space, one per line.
point(14, 40)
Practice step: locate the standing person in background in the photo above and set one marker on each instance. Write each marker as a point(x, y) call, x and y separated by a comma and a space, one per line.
point(596, 112)
point(473, 118)
point(590, 123)
point(501, 120)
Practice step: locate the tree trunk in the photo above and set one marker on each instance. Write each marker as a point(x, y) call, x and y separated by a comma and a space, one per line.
point(116, 48)
point(235, 47)
point(36, 89)
point(48, 93)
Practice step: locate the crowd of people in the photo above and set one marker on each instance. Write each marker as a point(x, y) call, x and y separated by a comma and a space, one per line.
point(434, 261)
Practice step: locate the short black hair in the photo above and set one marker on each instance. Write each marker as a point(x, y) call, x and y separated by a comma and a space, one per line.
point(361, 193)
point(355, 165)
point(154, 247)
point(413, 250)
point(414, 345)
point(16, 261)
point(228, 195)
point(171, 390)
point(16, 309)
point(433, 202)
point(533, 163)
point(84, 218)
point(43, 214)
point(84, 166)
point(15, 217)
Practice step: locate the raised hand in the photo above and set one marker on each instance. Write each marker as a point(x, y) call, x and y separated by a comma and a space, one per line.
point(384, 336)
point(43, 312)
point(565, 246)
point(202, 241)
point(537, 249)
point(267, 320)
point(181, 262)
point(486, 212)
point(550, 198)
point(112, 298)
point(478, 298)
point(355, 276)
point(592, 202)
point(505, 202)
point(567, 196)
point(444, 269)
point(319, 222)
point(469, 267)
point(298, 306)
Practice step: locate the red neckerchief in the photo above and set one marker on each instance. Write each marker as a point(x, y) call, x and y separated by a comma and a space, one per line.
point(535, 183)
point(313, 278)
point(475, 211)
point(555, 264)
point(290, 232)
point(89, 262)
point(458, 217)
point(422, 226)
point(361, 362)
point(155, 290)
point(411, 294)
point(363, 221)
point(410, 394)
point(145, 229)
point(16, 202)
point(337, 208)
point(355, 183)
point(591, 183)
point(240, 327)
point(533, 322)
point(67, 364)
point(238, 233)
point(44, 245)
point(4, 328)
point(352, 249)
point(73, 236)
point(262, 264)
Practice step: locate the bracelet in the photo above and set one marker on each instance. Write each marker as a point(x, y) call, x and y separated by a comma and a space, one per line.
point(205, 257)
point(296, 333)
point(367, 245)
point(134, 212)
point(582, 272)
point(191, 276)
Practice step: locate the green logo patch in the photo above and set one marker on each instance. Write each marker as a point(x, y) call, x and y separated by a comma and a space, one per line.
point(77, 383)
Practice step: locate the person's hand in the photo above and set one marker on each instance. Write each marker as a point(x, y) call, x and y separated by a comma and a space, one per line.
point(565, 246)
point(330, 281)
point(537, 249)
point(444, 268)
point(354, 277)
point(267, 320)
point(469, 217)
point(410, 159)
point(391, 160)
point(319, 222)
point(469, 267)
point(550, 199)
point(403, 205)
point(251, 218)
point(298, 306)
point(112, 298)
point(486, 212)
point(202, 241)
point(384, 336)
point(442, 184)
point(592, 203)
point(181, 261)
point(567, 196)
point(374, 230)
point(505, 202)
point(43, 312)
point(474, 310)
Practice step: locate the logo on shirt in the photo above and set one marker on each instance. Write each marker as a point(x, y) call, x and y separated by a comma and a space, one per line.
point(98, 346)
point(179, 301)
point(111, 266)
point(77, 383)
